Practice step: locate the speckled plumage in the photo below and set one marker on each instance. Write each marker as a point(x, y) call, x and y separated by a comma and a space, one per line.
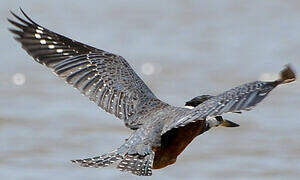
point(160, 131)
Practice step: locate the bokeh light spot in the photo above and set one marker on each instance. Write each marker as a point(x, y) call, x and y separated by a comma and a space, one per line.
point(148, 68)
point(18, 79)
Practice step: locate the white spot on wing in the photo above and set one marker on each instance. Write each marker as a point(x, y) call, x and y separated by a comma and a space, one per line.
point(39, 31)
point(59, 50)
point(37, 36)
point(51, 46)
point(189, 107)
point(43, 41)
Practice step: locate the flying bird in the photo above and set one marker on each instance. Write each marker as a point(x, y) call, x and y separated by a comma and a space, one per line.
point(160, 131)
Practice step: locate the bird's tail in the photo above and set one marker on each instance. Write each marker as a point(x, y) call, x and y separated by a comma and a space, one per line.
point(287, 75)
point(100, 161)
point(135, 164)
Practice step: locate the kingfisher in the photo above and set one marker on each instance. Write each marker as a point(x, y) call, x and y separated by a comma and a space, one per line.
point(160, 131)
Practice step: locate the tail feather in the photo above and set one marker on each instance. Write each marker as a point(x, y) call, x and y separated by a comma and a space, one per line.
point(137, 164)
point(99, 161)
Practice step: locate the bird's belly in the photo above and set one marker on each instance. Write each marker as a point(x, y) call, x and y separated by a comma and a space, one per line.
point(174, 142)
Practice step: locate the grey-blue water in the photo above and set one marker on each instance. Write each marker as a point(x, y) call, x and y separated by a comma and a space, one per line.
point(181, 49)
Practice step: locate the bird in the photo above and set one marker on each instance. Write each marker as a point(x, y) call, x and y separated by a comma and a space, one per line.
point(160, 131)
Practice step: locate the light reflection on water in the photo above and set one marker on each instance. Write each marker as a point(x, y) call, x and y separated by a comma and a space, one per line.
point(198, 48)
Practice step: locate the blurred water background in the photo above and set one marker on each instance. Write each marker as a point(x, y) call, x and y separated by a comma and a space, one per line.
point(181, 49)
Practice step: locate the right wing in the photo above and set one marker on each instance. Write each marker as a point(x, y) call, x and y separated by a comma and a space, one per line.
point(243, 97)
point(105, 78)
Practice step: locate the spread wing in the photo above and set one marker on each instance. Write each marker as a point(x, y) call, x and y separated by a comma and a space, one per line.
point(105, 78)
point(243, 97)
point(198, 100)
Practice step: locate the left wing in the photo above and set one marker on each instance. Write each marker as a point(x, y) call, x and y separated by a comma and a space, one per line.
point(243, 97)
point(105, 78)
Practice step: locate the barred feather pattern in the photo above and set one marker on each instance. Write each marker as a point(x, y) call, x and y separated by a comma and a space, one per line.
point(243, 97)
point(105, 78)
point(137, 164)
point(99, 161)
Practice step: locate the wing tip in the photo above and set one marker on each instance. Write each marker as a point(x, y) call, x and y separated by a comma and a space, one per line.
point(287, 75)
point(27, 17)
point(11, 12)
point(15, 32)
point(31, 22)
